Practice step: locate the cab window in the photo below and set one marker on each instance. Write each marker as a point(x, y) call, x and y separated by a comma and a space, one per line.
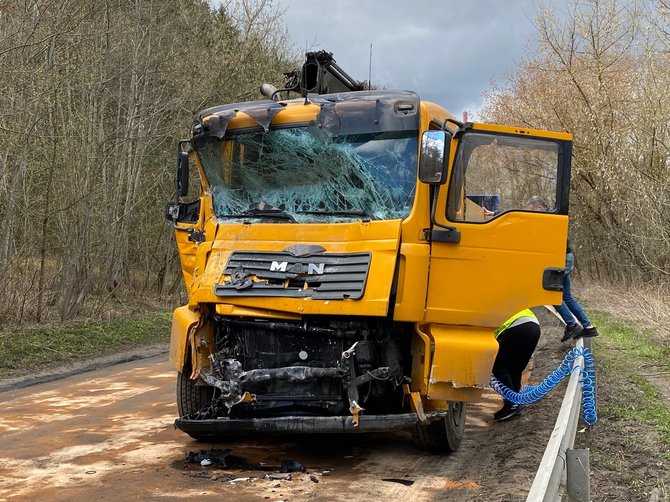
point(494, 173)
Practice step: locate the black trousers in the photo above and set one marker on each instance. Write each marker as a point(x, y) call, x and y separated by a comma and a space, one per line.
point(516, 346)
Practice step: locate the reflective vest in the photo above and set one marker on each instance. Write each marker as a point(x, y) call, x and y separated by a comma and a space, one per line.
point(508, 322)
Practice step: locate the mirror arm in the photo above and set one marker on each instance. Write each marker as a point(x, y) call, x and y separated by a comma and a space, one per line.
point(459, 125)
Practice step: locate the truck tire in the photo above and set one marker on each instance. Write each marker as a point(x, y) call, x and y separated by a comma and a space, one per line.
point(191, 398)
point(443, 435)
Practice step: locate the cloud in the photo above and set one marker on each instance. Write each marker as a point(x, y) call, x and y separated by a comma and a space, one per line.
point(445, 51)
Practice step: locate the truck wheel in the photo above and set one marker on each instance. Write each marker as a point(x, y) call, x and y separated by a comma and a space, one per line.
point(443, 435)
point(191, 398)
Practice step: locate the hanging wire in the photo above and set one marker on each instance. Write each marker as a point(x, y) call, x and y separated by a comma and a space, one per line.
point(533, 393)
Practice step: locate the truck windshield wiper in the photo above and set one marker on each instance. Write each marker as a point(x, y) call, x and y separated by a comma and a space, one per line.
point(354, 213)
point(262, 213)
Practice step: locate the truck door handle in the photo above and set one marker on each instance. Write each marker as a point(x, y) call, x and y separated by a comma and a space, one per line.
point(552, 279)
point(448, 234)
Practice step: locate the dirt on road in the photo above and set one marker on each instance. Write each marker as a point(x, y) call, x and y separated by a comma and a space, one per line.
point(108, 435)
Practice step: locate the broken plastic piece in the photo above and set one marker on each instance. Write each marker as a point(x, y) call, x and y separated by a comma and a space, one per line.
point(417, 404)
point(279, 477)
point(355, 410)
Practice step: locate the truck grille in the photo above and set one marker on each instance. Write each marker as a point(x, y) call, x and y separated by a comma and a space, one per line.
point(321, 276)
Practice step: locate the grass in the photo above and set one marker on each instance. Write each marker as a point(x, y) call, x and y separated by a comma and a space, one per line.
point(632, 357)
point(637, 344)
point(36, 348)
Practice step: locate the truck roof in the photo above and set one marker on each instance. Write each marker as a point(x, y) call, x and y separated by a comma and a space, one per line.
point(311, 98)
point(341, 113)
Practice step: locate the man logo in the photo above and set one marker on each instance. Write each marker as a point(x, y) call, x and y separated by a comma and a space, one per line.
point(276, 266)
point(315, 268)
point(312, 268)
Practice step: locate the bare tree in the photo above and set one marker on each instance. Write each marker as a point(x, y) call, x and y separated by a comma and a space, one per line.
point(600, 72)
point(94, 96)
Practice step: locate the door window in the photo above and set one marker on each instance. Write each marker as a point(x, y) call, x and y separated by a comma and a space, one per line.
point(494, 173)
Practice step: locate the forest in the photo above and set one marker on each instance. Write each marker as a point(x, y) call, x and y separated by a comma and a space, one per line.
point(94, 95)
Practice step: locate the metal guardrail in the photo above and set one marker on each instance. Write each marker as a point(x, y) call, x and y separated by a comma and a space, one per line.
point(552, 480)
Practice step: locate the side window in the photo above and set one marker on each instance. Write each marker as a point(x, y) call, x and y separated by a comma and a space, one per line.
point(494, 173)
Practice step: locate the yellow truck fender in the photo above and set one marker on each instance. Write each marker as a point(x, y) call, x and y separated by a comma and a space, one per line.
point(185, 322)
point(460, 362)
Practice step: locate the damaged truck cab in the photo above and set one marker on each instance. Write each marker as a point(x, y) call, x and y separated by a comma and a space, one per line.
point(348, 258)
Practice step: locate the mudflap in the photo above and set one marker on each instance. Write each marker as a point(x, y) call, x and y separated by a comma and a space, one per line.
point(301, 425)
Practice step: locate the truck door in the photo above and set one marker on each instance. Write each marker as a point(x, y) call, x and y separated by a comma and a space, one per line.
point(187, 235)
point(491, 255)
point(186, 214)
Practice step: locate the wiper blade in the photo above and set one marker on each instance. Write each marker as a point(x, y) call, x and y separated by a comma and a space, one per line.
point(262, 213)
point(355, 213)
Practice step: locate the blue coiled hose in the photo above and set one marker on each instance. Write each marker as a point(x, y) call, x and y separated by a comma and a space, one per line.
point(533, 393)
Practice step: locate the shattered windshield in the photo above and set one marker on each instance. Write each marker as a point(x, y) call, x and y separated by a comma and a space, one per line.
point(300, 174)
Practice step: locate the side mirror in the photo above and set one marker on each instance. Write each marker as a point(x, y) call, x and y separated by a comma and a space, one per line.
point(171, 211)
point(182, 174)
point(434, 152)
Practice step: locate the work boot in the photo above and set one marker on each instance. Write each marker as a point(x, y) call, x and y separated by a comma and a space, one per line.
point(588, 332)
point(571, 331)
point(508, 411)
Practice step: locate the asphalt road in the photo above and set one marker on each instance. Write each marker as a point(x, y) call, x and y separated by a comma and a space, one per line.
point(109, 435)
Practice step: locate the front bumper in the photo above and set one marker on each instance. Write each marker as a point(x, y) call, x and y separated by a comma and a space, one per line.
point(300, 425)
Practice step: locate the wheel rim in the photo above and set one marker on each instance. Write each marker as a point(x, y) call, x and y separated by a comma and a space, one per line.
point(456, 414)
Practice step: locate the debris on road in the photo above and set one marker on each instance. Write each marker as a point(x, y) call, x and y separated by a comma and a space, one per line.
point(406, 482)
point(291, 466)
point(216, 457)
point(279, 477)
point(223, 458)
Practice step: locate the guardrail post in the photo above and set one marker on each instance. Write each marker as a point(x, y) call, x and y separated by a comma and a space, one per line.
point(578, 483)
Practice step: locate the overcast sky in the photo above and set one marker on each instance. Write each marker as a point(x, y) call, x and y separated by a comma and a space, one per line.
point(444, 50)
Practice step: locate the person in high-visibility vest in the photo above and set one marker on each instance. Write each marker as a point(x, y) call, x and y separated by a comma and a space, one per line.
point(517, 339)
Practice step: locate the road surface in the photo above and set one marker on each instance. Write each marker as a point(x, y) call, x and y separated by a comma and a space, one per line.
point(109, 435)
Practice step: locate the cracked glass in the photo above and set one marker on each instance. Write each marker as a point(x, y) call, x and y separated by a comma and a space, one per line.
point(304, 175)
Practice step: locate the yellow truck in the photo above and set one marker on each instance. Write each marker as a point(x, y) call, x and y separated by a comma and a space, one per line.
point(350, 254)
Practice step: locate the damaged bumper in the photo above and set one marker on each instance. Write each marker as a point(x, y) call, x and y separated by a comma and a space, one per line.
point(299, 424)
